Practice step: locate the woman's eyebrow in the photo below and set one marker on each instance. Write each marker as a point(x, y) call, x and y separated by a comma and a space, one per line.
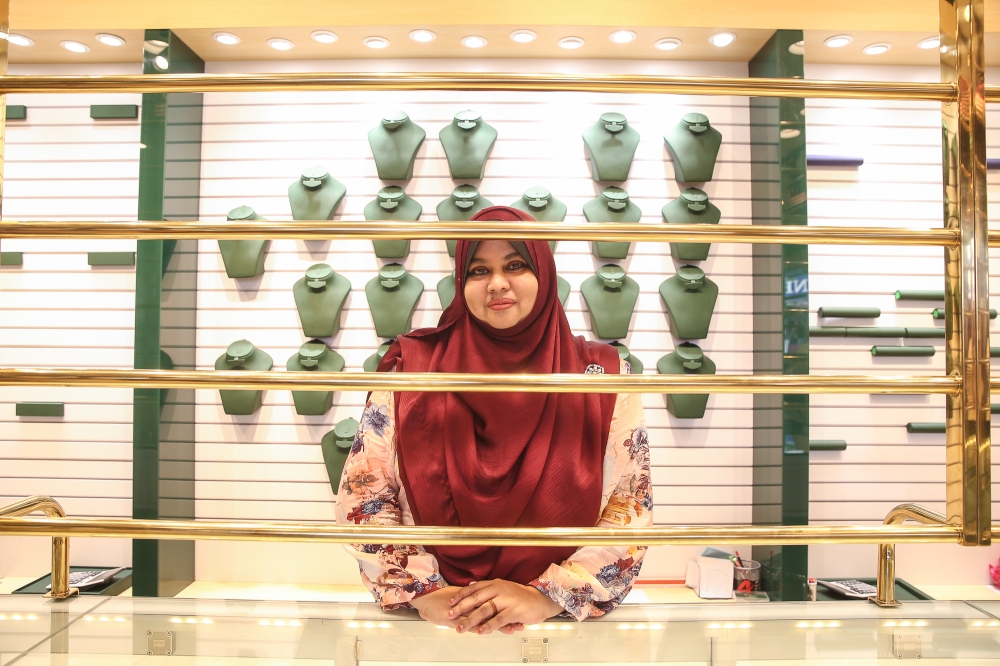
point(512, 255)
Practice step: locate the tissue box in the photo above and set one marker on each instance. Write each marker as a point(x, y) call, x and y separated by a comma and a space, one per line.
point(710, 577)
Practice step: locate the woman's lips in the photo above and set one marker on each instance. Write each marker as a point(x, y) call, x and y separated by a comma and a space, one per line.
point(501, 304)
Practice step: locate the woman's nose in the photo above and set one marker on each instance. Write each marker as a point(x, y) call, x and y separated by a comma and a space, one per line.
point(498, 282)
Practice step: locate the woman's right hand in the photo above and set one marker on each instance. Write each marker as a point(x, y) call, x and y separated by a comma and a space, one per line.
point(434, 606)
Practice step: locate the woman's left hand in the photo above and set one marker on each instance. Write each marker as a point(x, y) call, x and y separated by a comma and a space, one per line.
point(515, 604)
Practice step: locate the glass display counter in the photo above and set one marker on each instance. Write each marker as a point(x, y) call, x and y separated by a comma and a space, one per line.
point(120, 630)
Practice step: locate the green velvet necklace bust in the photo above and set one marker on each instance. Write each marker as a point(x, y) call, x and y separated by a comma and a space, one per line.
point(611, 144)
point(690, 299)
point(446, 290)
point(613, 205)
point(242, 355)
point(319, 299)
point(694, 145)
point(371, 363)
point(541, 205)
point(315, 195)
point(691, 207)
point(391, 203)
point(243, 258)
point(392, 298)
point(686, 359)
point(336, 445)
point(464, 202)
point(467, 143)
point(626, 355)
point(395, 142)
point(314, 356)
point(610, 297)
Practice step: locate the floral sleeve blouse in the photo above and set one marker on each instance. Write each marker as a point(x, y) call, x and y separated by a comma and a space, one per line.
point(594, 580)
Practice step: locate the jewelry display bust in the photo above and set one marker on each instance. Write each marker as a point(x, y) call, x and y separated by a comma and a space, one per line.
point(541, 205)
point(391, 203)
point(464, 202)
point(690, 299)
point(691, 207)
point(315, 195)
point(314, 356)
point(613, 205)
point(467, 142)
point(243, 258)
point(392, 298)
point(371, 363)
point(242, 355)
point(694, 145)
point(686, 359)
point(446, 290)
point(610, 297)
point(319, 299)
point(626, 355)
point(395, 142)
point(611, 145)
point(335, 445)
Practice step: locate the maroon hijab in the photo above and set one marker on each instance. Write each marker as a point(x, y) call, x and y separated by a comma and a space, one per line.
point(502, 459)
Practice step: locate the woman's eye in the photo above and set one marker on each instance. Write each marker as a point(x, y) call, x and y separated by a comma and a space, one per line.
point(516, 266)
point(477, 271)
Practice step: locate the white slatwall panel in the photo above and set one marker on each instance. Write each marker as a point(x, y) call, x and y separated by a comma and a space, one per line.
point(58, 311)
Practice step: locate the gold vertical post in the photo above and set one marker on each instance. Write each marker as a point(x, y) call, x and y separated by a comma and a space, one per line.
point(4, 48)
point(886, 576)
point(967, 352)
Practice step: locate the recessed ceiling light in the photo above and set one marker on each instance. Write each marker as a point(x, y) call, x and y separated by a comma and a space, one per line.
point(622, 36)
point(474, 42)
point(837, 41)
point(20, 40)
point(324, 36)
point(161, 63)
point(668, 44)
point(523, 36)
point(929, 43)
point(376, 42)
point(75, 47)
point(877, 49)
point(226, 38)
point(423, 36)
point(571, 42)
point(279, 44)
point(110, 40)
point(721, 39)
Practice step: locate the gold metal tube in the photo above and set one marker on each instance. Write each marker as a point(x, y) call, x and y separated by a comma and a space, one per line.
point(463, 81)
point(60, 544)
point(480, 383)
point(404, 230)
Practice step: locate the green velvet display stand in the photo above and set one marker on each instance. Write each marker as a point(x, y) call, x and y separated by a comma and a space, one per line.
point(464, 202)
point(392, 298)
point(540, 204)
point(319, 300)
point(848, 313)
point(686, 359)
point(446, 290)
point(314, 356)
point(467, 143)
point(243, 258)
point(610, 297)
point(613, 205)
point(626, 355)
point(242, 355)
point(391, 203)
point(336, 446)
point(691, 207)
point(611, 145)
point(694, 146)
point(690, 298)
point(395, 142)
point(315, 195)
point(371, 363)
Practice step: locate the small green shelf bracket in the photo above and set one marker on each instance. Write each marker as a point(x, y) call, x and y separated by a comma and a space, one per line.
point(114, 111)
point(17, 112)
point(938, 313)
point(40, 409)
point(827, 445)
point(902, 351)
point(919, 295)
point(925, 428)
point(11, 258)
point(111, 258)
point(850, 313)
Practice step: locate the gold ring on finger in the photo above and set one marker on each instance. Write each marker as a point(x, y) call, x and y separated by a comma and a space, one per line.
point(495, 611)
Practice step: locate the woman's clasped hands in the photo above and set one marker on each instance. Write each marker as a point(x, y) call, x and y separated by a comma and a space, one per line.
point(486, 606)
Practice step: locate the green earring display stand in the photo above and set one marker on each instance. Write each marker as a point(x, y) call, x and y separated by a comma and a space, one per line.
point(690, 298)
point(611, 145)
point(686, 359)
point(314, 356)
point(391, 203)
point(446, 290)
point(938, 313)
point(319, 300)
point(610, 297)
point(315, 195)
point(243, 258)
point(336, 446)
point(694, 146)
point(827, 445)
point(392, 298)
point(626, 355)
point(242, 355)
point(927, 428)
point(371, 363)
point(613, 205)
point(849, 313)
point(691, 207)
point(902, 351)
point(919, 295)
point(467, 143)
point(464, 202)
point(540, 204)
point(395, 142)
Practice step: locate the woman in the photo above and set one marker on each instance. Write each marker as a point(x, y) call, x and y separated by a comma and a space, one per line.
point(499, 459)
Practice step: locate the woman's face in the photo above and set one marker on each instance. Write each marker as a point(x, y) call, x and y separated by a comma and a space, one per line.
point(500, 288)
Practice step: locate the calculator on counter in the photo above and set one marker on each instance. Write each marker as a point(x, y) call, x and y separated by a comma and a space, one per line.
point(854, 589)
point(85, 579)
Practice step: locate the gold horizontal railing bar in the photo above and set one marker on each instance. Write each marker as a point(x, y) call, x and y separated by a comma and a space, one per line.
point(480, 383)
point(410, 230)
point(602, 83)
point(992, 93)
point(993, 235)
point(675, 535)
